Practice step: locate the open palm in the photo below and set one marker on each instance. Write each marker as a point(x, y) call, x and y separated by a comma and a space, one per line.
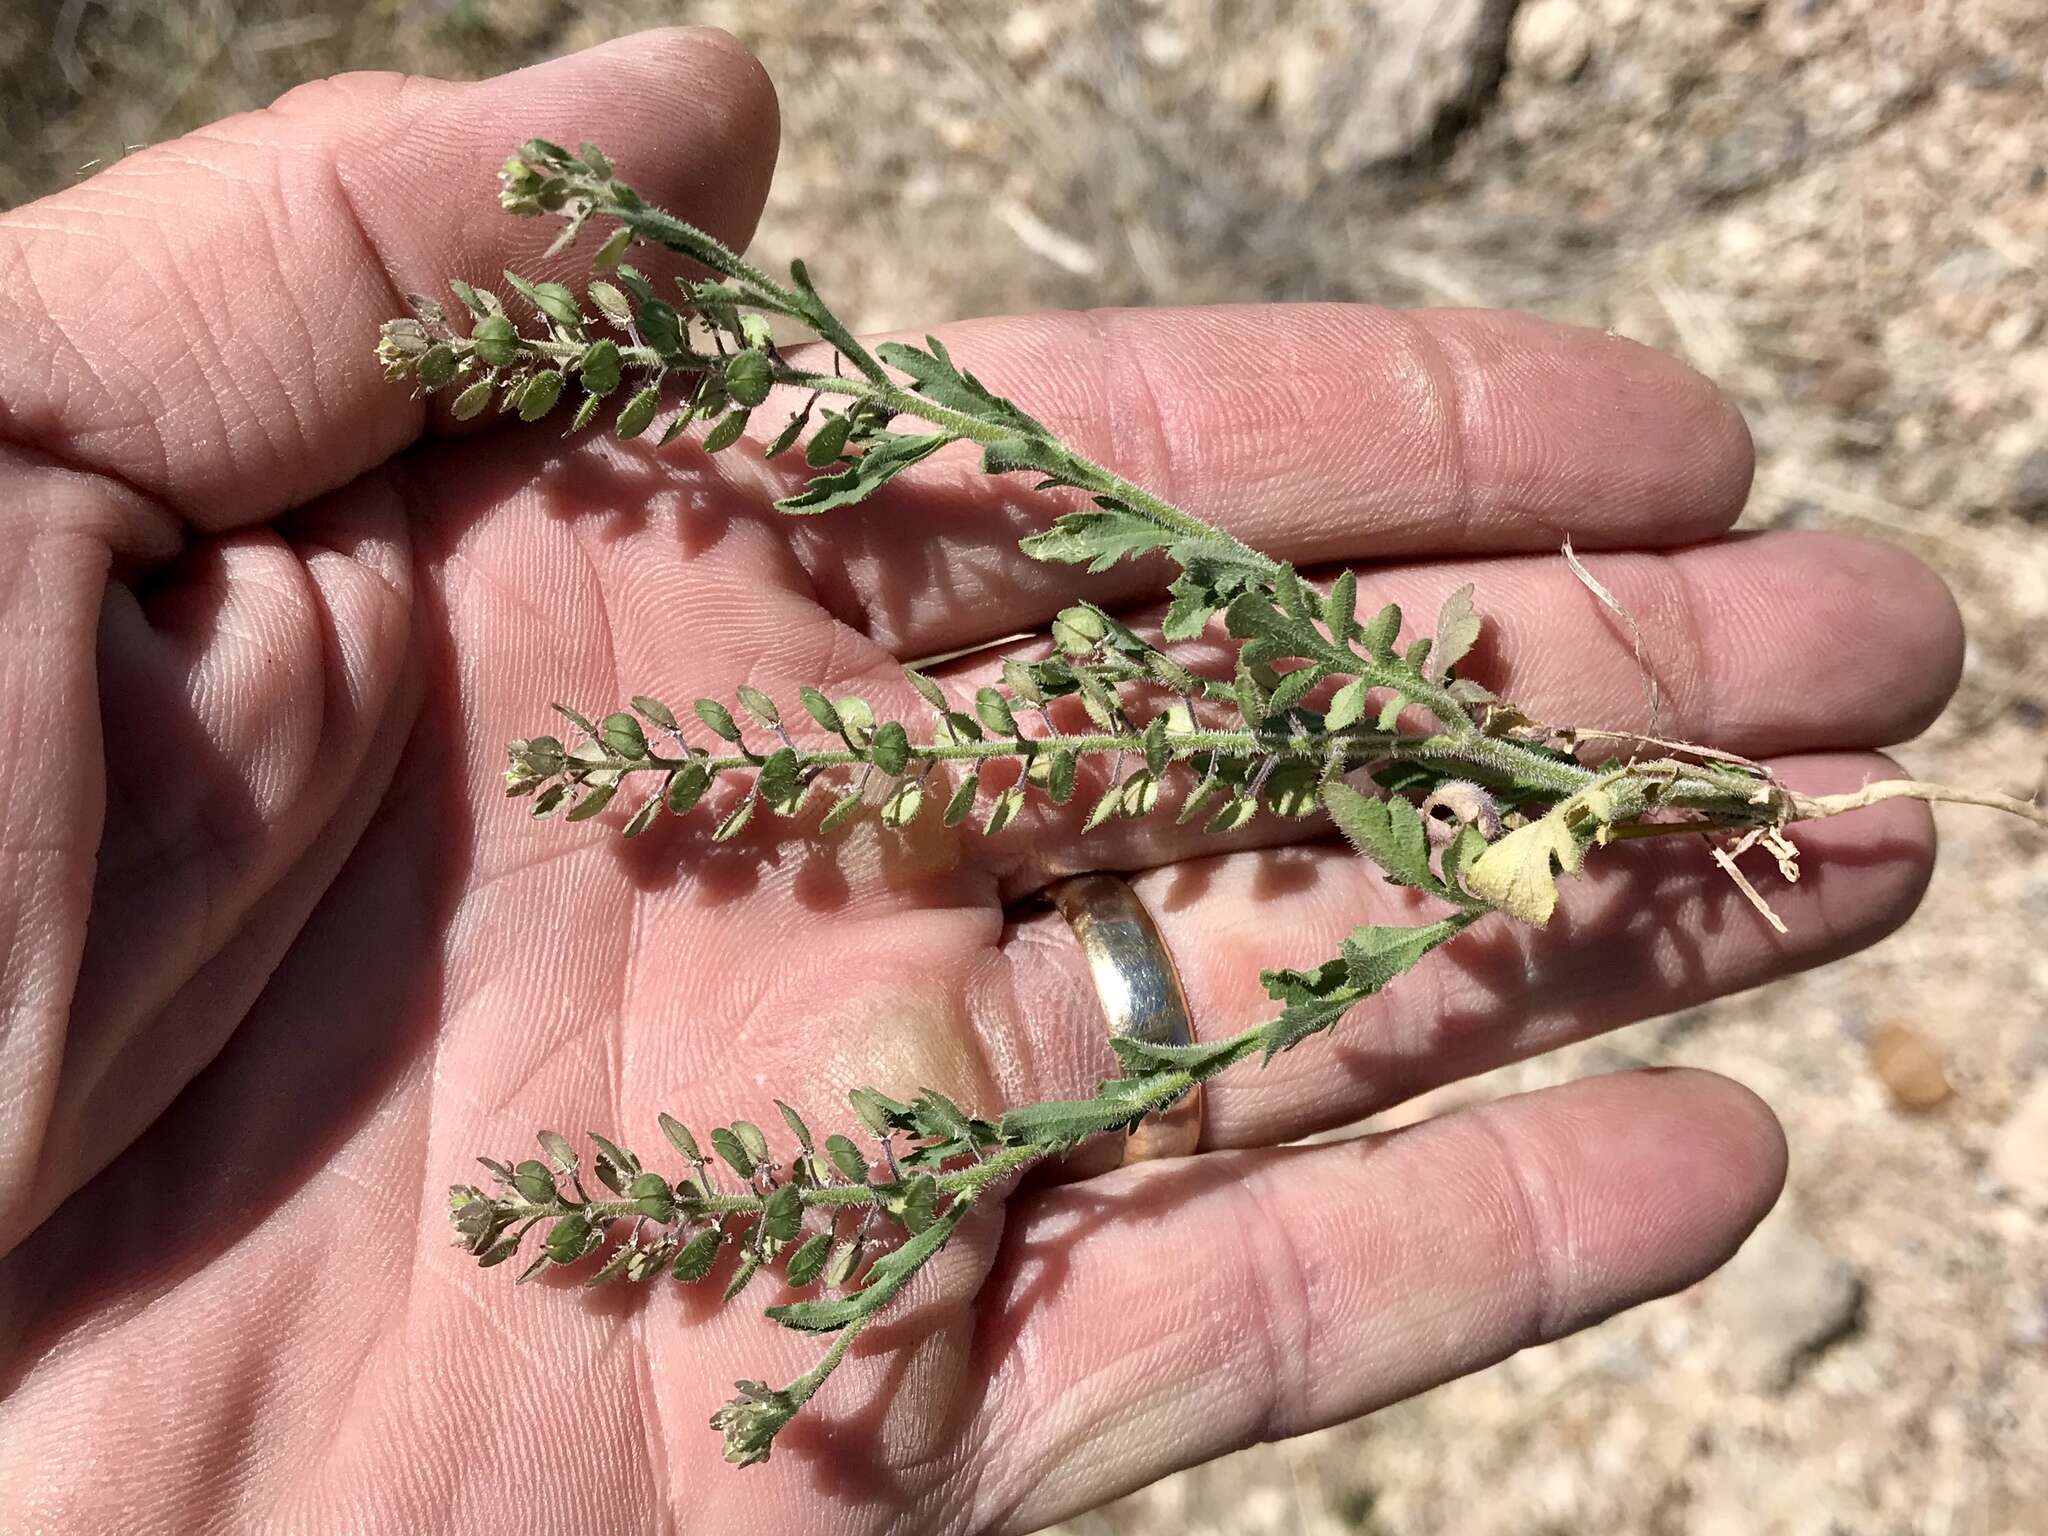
point(277, 962)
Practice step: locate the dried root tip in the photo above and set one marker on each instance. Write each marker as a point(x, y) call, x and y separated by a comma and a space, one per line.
point(1819, 807)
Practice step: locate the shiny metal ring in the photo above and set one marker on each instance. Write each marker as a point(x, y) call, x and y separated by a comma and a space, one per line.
point(1141, 995)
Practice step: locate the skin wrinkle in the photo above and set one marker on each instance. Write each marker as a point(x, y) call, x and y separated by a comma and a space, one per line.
point(1543, 1280)
point(1446, 387)
point(1282, 1296)
point(1140, 443)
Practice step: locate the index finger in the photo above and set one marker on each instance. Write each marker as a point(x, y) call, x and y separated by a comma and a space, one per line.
point(1314, 432)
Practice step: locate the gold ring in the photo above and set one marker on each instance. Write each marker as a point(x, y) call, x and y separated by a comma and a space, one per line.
point(1141, 995)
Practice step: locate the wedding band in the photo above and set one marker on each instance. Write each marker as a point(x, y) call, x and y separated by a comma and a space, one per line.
point(1140, 993)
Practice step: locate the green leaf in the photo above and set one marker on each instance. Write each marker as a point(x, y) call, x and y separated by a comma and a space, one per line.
point(1234, 813)
point(637, 413)
point(611, 303)
point(903, 804)
point(796, 1125)
point(655, 710)
point(748, 377)
point(828, 442)
point(679, 1137)
point(961, 805)
point(571, 1238)
point(1062, 771)
point(1004, 809)
point(727, 432)
point(934, 376)
point(1389, 832)
point(877, 1111)
point(750, 1265)
point(1065, 1122)
point(1111, 804)
point(1197, 797)
point(753, 1138)
point(616, 1167)
point(736, 823)
point(551, 299)
point(686, 787)
point(890, 750)
point(728, 1146)
point(777, 781)
point(650, 1192)
point(534, 1183)
point(890, 1273)
point(595, 799)
point(471, 402)
point(887, 455)
point(758, 705)
point(1291, 790)
point(556, 1145)
point(916, 1204)
point(783, 1215)
point(785, 440)
point(1380, 633)
point(622, 733)
point(1140, 795)
point(698, 1255)
point(847, 1158)
point(643, 818)
point(856, 719)
point(1340, 608)
point(1097, 539)
point(820, 708)
point(939, 1118)
point(537, 396)
point(1347, 706)
point(496, 340)
point(600, 370)
point(1293, 689)
point(480, 302)
point(717, 719)
point(1374, 956)
point(808, 1262)
point(1457, 630)
point(844, 809)
point(1158, 753)
point(844, 1261)
point(995, 712)
point(1140, 1058)
point(1467, 846)
point(1078, 630)
point(928, 690)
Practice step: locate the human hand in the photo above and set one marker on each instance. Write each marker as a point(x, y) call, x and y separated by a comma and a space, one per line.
point(266, 648)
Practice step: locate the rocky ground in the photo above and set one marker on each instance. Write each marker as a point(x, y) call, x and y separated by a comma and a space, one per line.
point(1840, 211)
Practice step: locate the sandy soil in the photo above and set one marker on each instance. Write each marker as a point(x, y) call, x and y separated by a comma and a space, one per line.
point(1837, 210)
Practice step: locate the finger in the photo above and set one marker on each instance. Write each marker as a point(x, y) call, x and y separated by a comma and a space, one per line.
point(1313, 432)
point(197, 321)
point(1210, 1304)
point(1773, 644)
point(1649, 929)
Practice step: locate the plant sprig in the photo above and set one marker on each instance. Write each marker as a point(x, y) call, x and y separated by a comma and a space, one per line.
point(1449, 790)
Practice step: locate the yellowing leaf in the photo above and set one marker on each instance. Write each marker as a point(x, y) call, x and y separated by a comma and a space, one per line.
point(1518, 874)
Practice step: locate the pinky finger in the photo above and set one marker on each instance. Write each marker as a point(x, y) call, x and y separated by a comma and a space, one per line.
point(1172, 1312)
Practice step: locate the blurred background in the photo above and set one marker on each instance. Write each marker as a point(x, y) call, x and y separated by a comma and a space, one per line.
point(1838, 209)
